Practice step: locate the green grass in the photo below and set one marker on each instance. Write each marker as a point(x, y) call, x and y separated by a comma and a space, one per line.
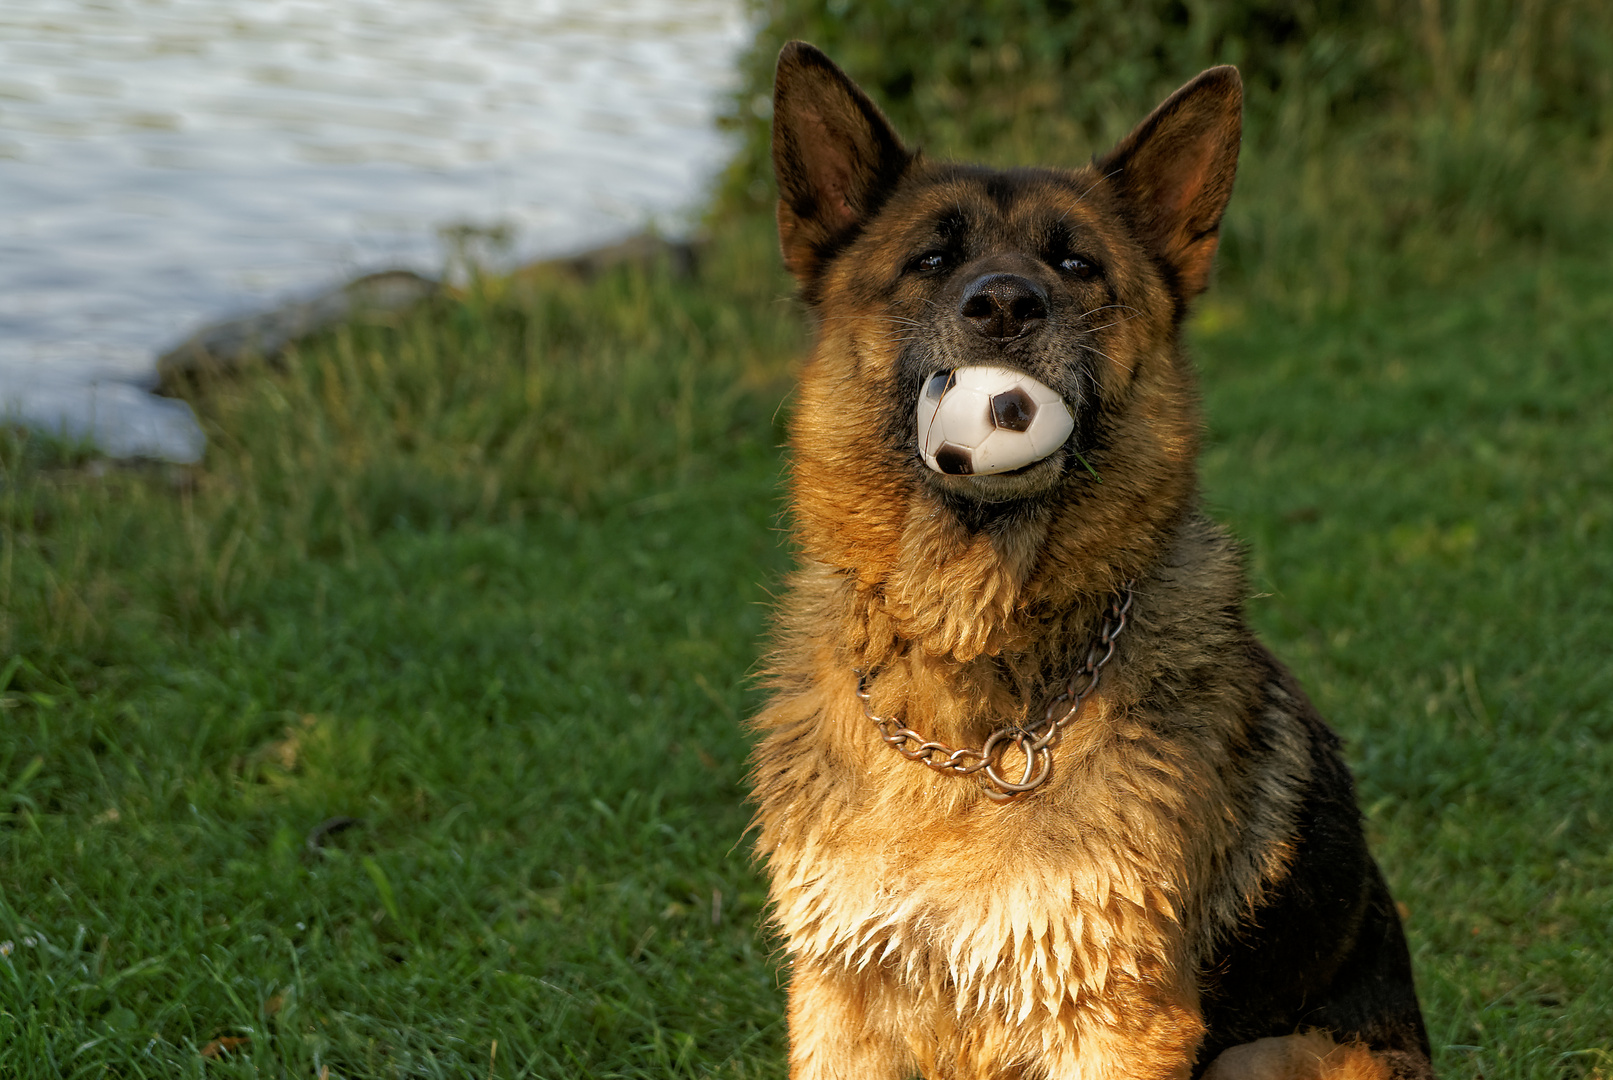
point(491, 582)
point(491, 579)
point(1424, 486)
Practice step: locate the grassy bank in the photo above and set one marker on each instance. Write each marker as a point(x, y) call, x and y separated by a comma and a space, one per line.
point(402, 737)
point(486, 585)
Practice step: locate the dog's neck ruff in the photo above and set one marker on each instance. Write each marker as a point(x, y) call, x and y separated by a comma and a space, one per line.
point(1034, 742)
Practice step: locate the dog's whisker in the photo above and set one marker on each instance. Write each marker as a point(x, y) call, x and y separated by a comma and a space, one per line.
point(1109, 307)
point(1105, 326)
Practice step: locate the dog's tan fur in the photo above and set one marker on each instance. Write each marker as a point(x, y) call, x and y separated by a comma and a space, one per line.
point(928, 929)
point(1068, 925)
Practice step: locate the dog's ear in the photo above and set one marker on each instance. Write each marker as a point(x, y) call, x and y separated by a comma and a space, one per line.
point(835, 155)
point(1174, 173)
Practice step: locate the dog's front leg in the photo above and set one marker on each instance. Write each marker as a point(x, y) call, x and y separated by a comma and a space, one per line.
point(834, 1028)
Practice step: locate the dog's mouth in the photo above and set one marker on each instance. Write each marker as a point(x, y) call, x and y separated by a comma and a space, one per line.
point(989, 421)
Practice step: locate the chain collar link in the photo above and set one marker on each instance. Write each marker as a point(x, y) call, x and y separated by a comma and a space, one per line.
point(1035, 742)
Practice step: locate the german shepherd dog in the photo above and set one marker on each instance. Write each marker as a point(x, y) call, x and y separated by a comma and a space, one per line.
point(1159, 874)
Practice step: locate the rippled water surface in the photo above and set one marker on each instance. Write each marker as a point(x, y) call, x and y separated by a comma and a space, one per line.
point(167, 162)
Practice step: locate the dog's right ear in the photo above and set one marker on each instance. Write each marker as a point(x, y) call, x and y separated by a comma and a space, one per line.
point(1174, 173)
point(834, 153)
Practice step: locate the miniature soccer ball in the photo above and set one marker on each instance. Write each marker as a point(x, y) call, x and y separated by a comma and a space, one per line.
point(975, 421)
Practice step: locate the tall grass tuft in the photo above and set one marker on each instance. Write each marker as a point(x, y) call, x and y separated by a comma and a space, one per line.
point(532, 395)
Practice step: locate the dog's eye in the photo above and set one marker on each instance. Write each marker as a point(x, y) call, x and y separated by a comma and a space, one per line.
point(1078, 267)
point(929, 262)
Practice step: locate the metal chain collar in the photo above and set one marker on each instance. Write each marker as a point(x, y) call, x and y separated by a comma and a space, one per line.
point(1035, 742)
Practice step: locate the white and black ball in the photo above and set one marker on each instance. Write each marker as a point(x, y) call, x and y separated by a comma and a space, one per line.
point(976, 421)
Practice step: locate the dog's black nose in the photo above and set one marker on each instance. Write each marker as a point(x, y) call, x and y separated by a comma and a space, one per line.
point(1003, 306)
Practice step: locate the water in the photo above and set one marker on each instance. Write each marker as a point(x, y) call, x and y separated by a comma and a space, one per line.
point(164, 163)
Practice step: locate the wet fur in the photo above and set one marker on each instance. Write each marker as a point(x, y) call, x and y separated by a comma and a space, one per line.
point(1190, 893)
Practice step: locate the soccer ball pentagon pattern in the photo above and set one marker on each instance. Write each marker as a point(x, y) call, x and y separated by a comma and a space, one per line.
point(975, 421)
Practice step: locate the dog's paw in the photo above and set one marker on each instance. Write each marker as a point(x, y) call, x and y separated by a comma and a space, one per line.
point(1311, 1056)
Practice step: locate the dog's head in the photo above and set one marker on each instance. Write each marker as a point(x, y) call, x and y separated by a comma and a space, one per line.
point(1078, 277)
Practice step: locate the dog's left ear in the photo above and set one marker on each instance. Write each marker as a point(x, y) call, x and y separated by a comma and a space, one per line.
point(835, 155)
point(1174, 173)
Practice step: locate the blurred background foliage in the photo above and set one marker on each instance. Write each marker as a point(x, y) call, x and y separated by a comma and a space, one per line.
point(1443, 130)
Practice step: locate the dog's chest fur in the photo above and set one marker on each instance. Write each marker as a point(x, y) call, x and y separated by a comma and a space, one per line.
point(979, 915)
point(979, 932)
